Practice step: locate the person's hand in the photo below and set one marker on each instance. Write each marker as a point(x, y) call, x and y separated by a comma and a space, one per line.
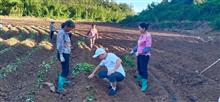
point(136, 53)
point(97, 37)
point(132, 52)
point(62, 58)
point(110, 72)
point(91, 76)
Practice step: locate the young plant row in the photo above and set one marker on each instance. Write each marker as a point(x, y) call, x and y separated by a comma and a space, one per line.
point(44, 68)
point(5, 71)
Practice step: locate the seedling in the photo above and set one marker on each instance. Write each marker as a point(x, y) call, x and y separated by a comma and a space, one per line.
point(5, 71)
point(82, 67)
point(44, 68)
point(128, 61)
point(90, 94)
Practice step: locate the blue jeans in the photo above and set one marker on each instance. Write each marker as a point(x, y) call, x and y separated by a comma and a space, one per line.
point(114, 77)
point(65, 64)
point(51, 34)
point(142, 65)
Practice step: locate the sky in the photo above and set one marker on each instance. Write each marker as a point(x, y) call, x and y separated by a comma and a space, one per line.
point(138, 5)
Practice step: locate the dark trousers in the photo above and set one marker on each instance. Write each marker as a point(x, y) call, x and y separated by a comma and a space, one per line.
point(142, 65)
point(114, 77)
point(65, 64)
point(51, 34)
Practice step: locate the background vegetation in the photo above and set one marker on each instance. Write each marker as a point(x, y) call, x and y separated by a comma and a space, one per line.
point(171, 11)
point(96, 10)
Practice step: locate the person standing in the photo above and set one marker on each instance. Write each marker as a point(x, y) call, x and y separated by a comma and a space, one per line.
point(142, 51)
point(52, 28)
point(92, 35)
point(64, 50)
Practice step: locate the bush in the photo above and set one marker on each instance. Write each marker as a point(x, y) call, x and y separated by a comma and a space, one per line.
point(128, 61)
point(76, 9)
point(82, 67)
point(177, 11)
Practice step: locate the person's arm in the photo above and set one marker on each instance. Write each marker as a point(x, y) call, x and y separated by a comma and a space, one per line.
point(148, 42)
point(60, 43)
point(60, 46)
point(94, 71)
point(135, 48)
point(146, 50)
point(117, 65)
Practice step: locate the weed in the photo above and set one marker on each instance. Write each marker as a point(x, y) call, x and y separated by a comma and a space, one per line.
point(82, 67)
point(128, 61)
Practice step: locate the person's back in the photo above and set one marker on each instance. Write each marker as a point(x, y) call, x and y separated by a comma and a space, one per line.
point(110, 63)
point(115, 72)
point(62, 39)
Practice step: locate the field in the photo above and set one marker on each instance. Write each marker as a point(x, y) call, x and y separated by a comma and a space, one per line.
point(28, 60)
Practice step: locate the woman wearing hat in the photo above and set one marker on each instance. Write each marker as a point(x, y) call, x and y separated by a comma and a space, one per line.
point(115, 72)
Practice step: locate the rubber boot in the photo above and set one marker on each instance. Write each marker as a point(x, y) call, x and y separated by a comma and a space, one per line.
point(60, 84)
point(144, 85)
point(66, 80)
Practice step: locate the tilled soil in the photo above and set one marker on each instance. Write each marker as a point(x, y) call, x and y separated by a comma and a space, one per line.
point(174, 68)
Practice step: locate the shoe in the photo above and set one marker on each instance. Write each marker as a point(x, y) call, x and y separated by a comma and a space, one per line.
point(109, 87)
point(112, 92)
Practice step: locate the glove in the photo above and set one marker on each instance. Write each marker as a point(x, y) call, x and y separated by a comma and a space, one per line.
point(136, 53)
point(62, 58)
point(132, 52)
